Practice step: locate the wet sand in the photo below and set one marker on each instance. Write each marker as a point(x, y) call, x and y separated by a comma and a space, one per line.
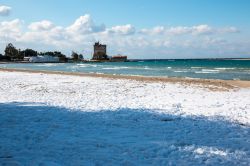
point(205, 83)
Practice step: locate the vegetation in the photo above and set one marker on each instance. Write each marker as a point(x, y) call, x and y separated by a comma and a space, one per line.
point(4, 58)
point(76, 56)
point(12, 53)
point(28, 53)
point(55, 53)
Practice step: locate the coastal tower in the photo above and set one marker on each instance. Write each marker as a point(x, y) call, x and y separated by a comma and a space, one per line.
point(100, 52)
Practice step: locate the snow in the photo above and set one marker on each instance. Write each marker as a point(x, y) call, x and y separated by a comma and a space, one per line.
point(71, 120)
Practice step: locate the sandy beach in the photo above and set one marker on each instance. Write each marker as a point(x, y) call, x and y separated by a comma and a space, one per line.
point(204, 83)
point(55, 118)
point(124, 83)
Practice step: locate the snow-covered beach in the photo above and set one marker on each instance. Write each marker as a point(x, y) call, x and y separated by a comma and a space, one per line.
point(53, 119)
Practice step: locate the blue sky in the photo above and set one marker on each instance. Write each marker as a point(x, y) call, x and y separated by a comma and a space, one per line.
point(140, 13)
point(188, 28)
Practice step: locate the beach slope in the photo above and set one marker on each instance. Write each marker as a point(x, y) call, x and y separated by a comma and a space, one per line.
point(63, 119)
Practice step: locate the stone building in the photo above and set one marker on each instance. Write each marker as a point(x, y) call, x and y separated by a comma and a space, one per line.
point(100, 52)
point(119, 58)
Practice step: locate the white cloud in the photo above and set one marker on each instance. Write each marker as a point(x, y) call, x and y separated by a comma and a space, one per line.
point(122, 29)
point(185, 30)
point(202, 29)
point(41, 26)
point(84, 24)
point(10, 30)
point(179, 30)
point(179, 41)
point(229, 30)
point(55, 36)
point(155, 31)
point(194, 30)
point(5, 10)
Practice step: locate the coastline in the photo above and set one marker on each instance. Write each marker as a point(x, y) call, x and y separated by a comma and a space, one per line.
point(211, 84)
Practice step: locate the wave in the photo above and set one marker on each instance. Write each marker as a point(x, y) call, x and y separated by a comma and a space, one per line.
point(47, 65)
point(225, 68)
point(210, 70)
point(93, 65)
point(147, 68)
point(86, 65)
point(205, 72)
point(181, 71)
point(196, 67)
point(114, 68)
point(111, 68)
point(82, 65)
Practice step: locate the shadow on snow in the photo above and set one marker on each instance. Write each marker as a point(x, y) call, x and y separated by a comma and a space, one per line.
point(35, 134)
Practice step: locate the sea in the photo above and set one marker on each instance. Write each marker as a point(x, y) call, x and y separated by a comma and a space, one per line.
point(229, 69)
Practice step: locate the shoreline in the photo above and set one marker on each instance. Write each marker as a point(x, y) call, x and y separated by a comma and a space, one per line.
point(135, 60)
point(212, 84)
point(118, 118)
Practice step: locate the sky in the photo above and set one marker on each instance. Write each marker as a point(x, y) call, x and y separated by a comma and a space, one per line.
point(137, 28)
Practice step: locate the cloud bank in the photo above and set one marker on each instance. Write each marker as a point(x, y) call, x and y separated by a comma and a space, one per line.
point(4, 10)
point(198, 41)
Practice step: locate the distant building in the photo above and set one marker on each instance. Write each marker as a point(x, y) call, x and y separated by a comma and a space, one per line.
point(118, 58)
point(26, 58)
point(100, 52)
point(43, 59)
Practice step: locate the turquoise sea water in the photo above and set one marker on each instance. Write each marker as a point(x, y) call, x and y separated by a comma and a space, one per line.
point(208, 69)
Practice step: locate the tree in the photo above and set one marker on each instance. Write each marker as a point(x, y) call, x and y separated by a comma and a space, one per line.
point(59, 54)
point(29, 52)
point(11, 51)
point(50, 53)
point(80, 56)
point(74, 55)
point(55, 53)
